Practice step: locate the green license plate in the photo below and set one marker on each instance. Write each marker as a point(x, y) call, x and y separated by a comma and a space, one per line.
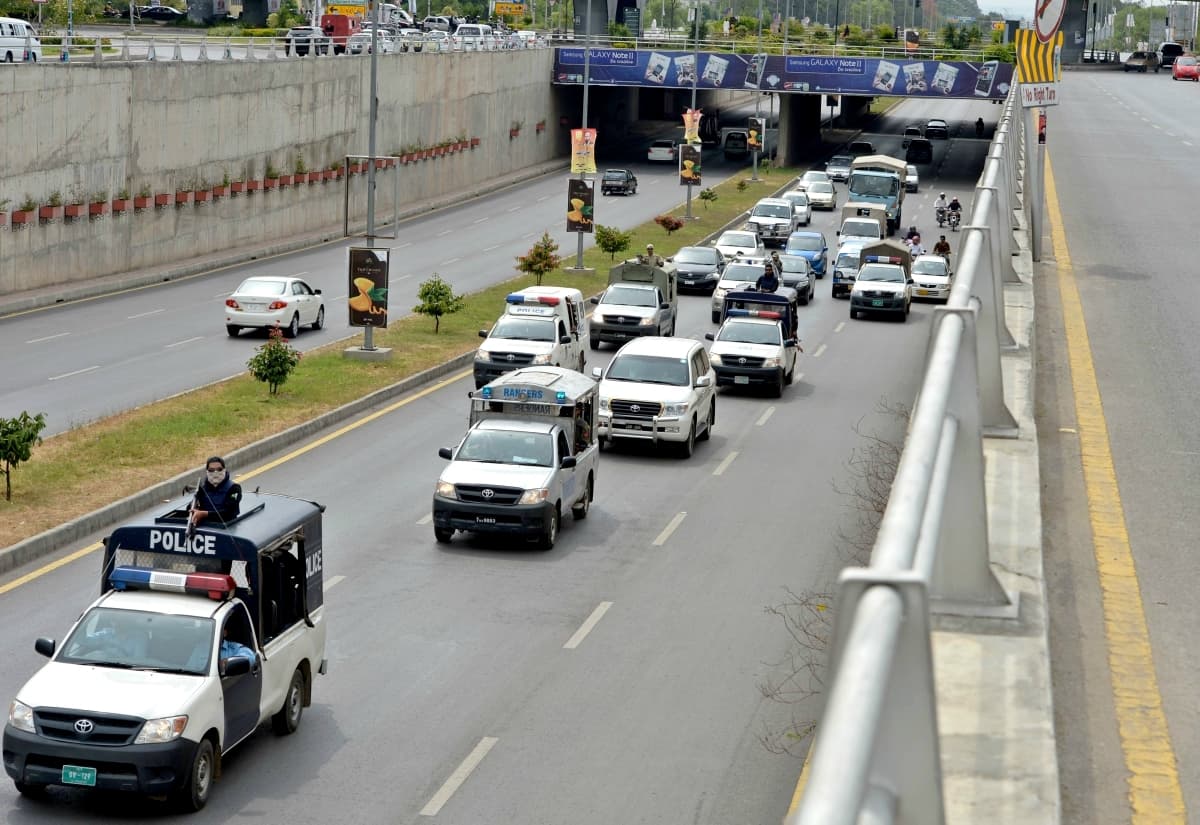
point(76, 775)
point(877, 303)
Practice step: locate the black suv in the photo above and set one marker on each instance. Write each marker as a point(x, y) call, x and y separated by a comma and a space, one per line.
point(618, 180)
point(919, 150)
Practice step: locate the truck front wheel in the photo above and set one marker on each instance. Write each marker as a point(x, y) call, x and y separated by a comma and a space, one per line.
point(287, 720)
point(193, 796)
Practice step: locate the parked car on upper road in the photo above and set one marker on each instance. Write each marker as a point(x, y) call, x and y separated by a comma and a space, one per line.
point(360, 43)
point(266, 301)
point(410, 40)
point(1169, 53)
point(1185, 67)
point(14, 34)
point(161, 14)
point(302, 40)
point(1141, 62)
point(662, 151)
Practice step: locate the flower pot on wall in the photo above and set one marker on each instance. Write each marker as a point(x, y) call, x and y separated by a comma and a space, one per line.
point(220, 190)
point(201, 195)
point(120, 205)
point(20, 217)
point(163, 199)
point(270, 183)
point(74, 210)
point(238, 186)
point(141, 202)
point(254, 185)
point(95, 210)
point(286, 180)
point(49, 213)
point(183, 197)
point(474, 142)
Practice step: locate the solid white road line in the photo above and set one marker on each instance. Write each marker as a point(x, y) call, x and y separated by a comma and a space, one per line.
point(444, 232)
point(76, 372)
point(329, 585)
point(184, 341)
point(841, 326)
point(820, 351)
point(490, 248)
point(425, 519)
point(1187, 143)
point(46, 338)
point(144, 314)
point(482, 220)
point(449, 261)
point(669, 529)
point(402, 245)
point(343, 295)
point(513, 209)
point(767, 413)
point(542, 198)
point(459, 776)
point(724, 465)
point(586, 627)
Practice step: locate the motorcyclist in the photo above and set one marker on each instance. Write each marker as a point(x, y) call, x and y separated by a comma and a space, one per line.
point(916, 248)
point(912, 233)
point(768, 281)
point(939, 207)
point(979, 128)
point(954, 213)
point(942, 247)
point(954, 205)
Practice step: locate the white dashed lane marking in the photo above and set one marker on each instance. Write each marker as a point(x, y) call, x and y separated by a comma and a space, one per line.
point(586, 628)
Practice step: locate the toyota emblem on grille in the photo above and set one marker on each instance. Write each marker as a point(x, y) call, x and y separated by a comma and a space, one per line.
point(741, 360)
point(84, 726)
point(488, 492)
point(635, 407)
point(620, 319)
point(512, 357)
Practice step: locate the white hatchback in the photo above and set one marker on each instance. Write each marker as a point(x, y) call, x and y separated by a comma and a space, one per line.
point(800, 205)
point(267, 301)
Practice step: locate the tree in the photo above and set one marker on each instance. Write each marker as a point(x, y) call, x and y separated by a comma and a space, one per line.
point(708, 196)
point(18, 437)
point(437, 299)
point(669, 223)
point(541, 259)
point(612, 240)
point(274, 361)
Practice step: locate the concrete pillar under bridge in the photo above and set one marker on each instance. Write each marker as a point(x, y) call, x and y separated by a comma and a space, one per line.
point(800, 123)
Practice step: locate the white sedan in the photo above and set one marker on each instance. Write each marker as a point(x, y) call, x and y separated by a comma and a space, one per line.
point(661, 151)
point(360, 43)
point(822, 195)
point(912, 180)
point(266, 301)
point(740, 245)
point(800, 205)
point(810, 177)
point(932, 277)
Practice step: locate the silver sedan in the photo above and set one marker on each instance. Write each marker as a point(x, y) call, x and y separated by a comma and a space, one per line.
point(822, 195)
point(800, 205)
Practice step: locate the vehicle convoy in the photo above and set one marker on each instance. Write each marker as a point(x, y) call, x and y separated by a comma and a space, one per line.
point(845, 268)
point(738, 275)
point(642, 299)
point(658, 390)
point(756, 344)
point(541, 326)
point(148, 692)
point(862, 222)
point(884, 280)
point(773, 220)
point(529, 455)
point(879, 179)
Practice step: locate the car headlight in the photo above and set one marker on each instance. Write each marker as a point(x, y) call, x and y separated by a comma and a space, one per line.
point(771, 362)
point(675, 410)
point(599, 319)
point(542, 359)
point(604, 404)
point(166, 729)
point(536, 496)
point(482, 355)
point(646, 322)
point(20, 716)
point(445, 489)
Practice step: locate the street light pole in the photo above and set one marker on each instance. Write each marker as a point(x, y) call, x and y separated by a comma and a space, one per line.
point(369, 331)
point(695, 80)
point(758, 96)
point(587, 63)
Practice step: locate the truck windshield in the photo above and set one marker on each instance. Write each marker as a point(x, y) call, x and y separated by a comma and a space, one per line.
point(861, 229)
point(847, 262)
point(772, 211)
point(742, 332)
point(500, 447)
point(649, 369)
point(136, 640)
point(881, 273)
point(878, 186)
point(524, 329)
point(803, 243)
point(630, 297)
point(696, 255)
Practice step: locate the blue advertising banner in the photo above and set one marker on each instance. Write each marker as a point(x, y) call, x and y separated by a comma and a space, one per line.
point(899, 77)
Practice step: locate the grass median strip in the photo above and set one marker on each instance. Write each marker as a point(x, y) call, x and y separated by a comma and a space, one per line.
point(83, 469)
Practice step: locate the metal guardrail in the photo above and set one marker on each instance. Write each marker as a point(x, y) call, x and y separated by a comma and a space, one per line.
point(876, 755)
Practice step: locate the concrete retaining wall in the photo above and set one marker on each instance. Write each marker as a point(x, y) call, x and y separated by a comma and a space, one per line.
point(83, 128)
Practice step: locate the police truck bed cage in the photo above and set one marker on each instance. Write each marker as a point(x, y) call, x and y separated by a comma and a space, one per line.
point(762, 305)
point(531, 392)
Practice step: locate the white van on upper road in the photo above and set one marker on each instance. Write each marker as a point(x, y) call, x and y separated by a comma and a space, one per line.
point(18, 41)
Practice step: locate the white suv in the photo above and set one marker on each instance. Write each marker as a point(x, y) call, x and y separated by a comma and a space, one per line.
point(658, 389)
point(773, 220)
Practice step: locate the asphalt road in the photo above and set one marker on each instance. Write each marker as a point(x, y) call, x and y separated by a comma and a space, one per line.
point(1123, 153)
point(657, 715)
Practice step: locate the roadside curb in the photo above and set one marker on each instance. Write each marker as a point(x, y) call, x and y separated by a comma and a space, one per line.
point(54, 539)
point(108, 284)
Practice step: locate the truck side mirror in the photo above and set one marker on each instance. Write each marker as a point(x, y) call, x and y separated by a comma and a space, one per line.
point(44, 646)
point(708, 336)
point(704, 381)
point(446, 453)
point(596, 373)
point(568, 462)
point(564, 339)
point(317, 291)
point(791, 342)
point(595, 299)
point(235, 666)
point(483, 333)
point(664, 305)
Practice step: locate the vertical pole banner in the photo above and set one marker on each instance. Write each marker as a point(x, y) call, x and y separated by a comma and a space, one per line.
point(689, 165)
point(757, 127)
point(579, 205)
point(691, 125)
point(583, 151)
point(368, 287)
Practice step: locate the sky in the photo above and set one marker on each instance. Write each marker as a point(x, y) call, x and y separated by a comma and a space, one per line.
point(1011, 10)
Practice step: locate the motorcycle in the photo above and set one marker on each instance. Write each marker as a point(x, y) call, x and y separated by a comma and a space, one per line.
point(941, 216)
point(954, 219)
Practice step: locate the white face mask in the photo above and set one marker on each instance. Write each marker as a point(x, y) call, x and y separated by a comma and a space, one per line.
point(215, 476)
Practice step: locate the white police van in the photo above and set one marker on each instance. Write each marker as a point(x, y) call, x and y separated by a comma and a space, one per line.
point(530, 454)
point(541, 326)
point(138, 697)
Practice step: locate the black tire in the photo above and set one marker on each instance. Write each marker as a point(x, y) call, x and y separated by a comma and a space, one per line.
point(232, 331)
point(580, 510)
point(804, 298)
point(593, 343)
point(853, 314)
point(287, 719)
point(193, 796)
point(688, 447)
point(777, 390)
point(320, 322)
point(443, 534)
point(791, 375)
point(634, 190)
point(550, 531)
point(712, 420)
point(8, 57)
point(716, 317)
point(293, 329)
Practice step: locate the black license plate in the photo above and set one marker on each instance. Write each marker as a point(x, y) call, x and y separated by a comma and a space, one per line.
point(485, 519)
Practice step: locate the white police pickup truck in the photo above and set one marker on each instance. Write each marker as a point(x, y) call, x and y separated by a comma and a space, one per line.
point(195, 641)
point(529, 455)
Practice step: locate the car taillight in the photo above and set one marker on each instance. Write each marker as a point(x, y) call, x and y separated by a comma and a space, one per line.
point(278, 305)
point(232, 304)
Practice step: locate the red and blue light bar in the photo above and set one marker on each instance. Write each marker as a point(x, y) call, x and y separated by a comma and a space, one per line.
point(753, 313)
point(217, 586)
point(883, 259)
point(518, 298)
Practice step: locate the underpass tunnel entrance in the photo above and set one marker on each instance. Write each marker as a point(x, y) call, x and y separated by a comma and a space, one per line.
point(800, 115)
